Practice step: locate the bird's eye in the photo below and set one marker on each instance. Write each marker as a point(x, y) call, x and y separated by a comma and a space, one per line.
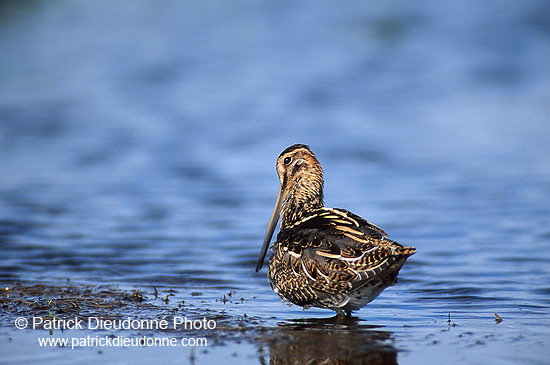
point(287, 160)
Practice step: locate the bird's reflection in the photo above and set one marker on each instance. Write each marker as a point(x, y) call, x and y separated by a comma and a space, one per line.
point(330, 341)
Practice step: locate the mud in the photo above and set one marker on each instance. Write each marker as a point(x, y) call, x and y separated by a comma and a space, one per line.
point(329, 340)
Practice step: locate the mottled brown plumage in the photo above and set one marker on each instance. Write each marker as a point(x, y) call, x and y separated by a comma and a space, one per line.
point(324, 257)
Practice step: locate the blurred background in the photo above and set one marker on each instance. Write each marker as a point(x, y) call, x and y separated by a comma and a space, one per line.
point(138, 139)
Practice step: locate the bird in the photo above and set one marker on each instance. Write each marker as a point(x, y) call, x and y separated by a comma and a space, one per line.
point(324, 257)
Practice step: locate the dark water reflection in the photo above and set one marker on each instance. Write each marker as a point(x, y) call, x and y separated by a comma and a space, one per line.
point(138, 144)
point(315, 341)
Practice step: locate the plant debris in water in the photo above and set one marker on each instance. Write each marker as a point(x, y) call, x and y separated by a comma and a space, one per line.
point(49, 301)
point(39, 299)
point(289, 342)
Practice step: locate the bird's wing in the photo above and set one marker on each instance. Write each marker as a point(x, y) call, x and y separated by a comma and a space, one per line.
point(334, 247)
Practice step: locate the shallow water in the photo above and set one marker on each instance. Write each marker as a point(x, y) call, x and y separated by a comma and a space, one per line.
point(138, 143)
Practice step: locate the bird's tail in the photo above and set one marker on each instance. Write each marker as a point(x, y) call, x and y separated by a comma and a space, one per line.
point(408, 251)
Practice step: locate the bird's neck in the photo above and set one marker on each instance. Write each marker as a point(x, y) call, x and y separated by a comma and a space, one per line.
point(305, 195)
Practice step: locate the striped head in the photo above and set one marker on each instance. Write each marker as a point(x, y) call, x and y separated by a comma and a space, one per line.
point(301, 190)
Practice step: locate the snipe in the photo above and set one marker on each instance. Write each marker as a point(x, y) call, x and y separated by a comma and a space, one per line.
point(324, 257)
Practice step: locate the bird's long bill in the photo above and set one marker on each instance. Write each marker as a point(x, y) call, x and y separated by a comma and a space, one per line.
point(270, 228)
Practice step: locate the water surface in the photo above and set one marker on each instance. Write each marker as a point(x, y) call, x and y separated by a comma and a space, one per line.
point(138, 144)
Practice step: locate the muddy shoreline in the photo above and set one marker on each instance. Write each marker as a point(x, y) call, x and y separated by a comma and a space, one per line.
point(310, 340)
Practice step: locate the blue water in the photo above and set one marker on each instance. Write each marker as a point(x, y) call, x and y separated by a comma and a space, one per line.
point(138, 142)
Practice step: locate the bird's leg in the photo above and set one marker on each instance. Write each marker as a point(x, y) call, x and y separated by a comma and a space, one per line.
point(339, 313)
